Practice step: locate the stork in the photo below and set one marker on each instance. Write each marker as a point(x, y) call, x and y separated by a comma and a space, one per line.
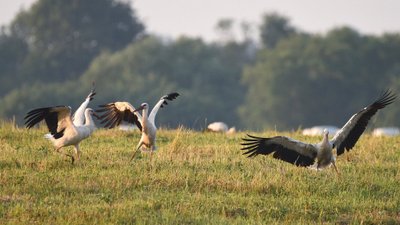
point(116, 112)
point(78, 117)
point(62, 130)
point(305, 154)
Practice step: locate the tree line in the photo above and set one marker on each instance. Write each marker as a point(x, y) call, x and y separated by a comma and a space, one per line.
point(285, 79)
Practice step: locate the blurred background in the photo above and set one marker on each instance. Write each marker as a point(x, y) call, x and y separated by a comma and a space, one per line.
point(253, 64)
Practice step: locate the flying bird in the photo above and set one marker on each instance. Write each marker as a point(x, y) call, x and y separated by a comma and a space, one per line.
point(63, 132)
point(306, 154)
point(116, 112)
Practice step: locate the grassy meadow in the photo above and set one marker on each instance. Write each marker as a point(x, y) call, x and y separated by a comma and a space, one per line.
point(194, 178)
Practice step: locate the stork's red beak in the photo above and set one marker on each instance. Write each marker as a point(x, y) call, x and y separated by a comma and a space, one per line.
point(140, 108)
point(95, 115)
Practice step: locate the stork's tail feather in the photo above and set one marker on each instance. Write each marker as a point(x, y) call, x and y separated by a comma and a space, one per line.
point(49, 137)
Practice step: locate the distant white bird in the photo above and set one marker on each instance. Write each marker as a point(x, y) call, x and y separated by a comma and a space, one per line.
point(386, 131)
point(125, 126)
point(63, 131)
point(116, 112)
point(220, 127)
point(304, 154)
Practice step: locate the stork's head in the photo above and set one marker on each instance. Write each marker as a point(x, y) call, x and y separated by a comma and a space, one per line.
point(91, 112)
point(326, 133)
point(144, 106)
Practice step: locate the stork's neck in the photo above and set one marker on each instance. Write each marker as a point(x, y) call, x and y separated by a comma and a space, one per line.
point(88, 119)
point(144, 116)
point(325, 139)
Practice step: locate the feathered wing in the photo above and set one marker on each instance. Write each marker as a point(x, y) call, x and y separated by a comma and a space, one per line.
point(57, 119)
point(347, 137)
point(283, 148)
point(161, 103)
point(79, 115)
point(116, 112)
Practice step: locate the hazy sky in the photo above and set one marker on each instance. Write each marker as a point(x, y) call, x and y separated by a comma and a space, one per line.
point(198, 17)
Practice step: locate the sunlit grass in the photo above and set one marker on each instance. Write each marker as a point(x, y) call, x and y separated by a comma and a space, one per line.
point(194, 178)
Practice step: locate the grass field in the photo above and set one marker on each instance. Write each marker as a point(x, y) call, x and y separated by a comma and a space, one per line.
point(194, 178)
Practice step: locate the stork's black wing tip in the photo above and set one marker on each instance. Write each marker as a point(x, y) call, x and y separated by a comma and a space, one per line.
point(171, 96)
point(104, 107)
point(387, 97)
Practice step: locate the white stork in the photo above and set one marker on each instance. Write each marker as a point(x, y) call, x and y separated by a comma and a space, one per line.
point(305, 154)
point(116, 112)
point(63, 131)
point(79, 116)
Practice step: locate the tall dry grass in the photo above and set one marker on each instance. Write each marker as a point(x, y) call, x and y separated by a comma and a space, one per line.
point(193, 178)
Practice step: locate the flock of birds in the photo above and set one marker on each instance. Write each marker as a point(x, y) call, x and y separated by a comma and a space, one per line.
point(68, 129)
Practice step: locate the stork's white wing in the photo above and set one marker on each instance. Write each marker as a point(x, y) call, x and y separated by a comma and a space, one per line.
point(283, 148)
point(161, 103)
point(79, 115)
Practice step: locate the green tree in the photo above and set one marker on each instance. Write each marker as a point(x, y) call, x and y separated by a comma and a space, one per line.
point(224, 28)
point(20, 100)
point(64, 36)
point(274, 28)
point(12, 55)
point(206, 76)
point(313, 80)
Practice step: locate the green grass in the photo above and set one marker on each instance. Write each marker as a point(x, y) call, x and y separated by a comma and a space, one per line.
point(194, 178)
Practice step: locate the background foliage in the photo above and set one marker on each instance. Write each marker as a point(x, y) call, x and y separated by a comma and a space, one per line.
point(51, 53)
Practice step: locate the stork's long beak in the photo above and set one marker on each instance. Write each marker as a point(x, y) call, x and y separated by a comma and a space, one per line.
point(95, 115)
point(140, 108)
